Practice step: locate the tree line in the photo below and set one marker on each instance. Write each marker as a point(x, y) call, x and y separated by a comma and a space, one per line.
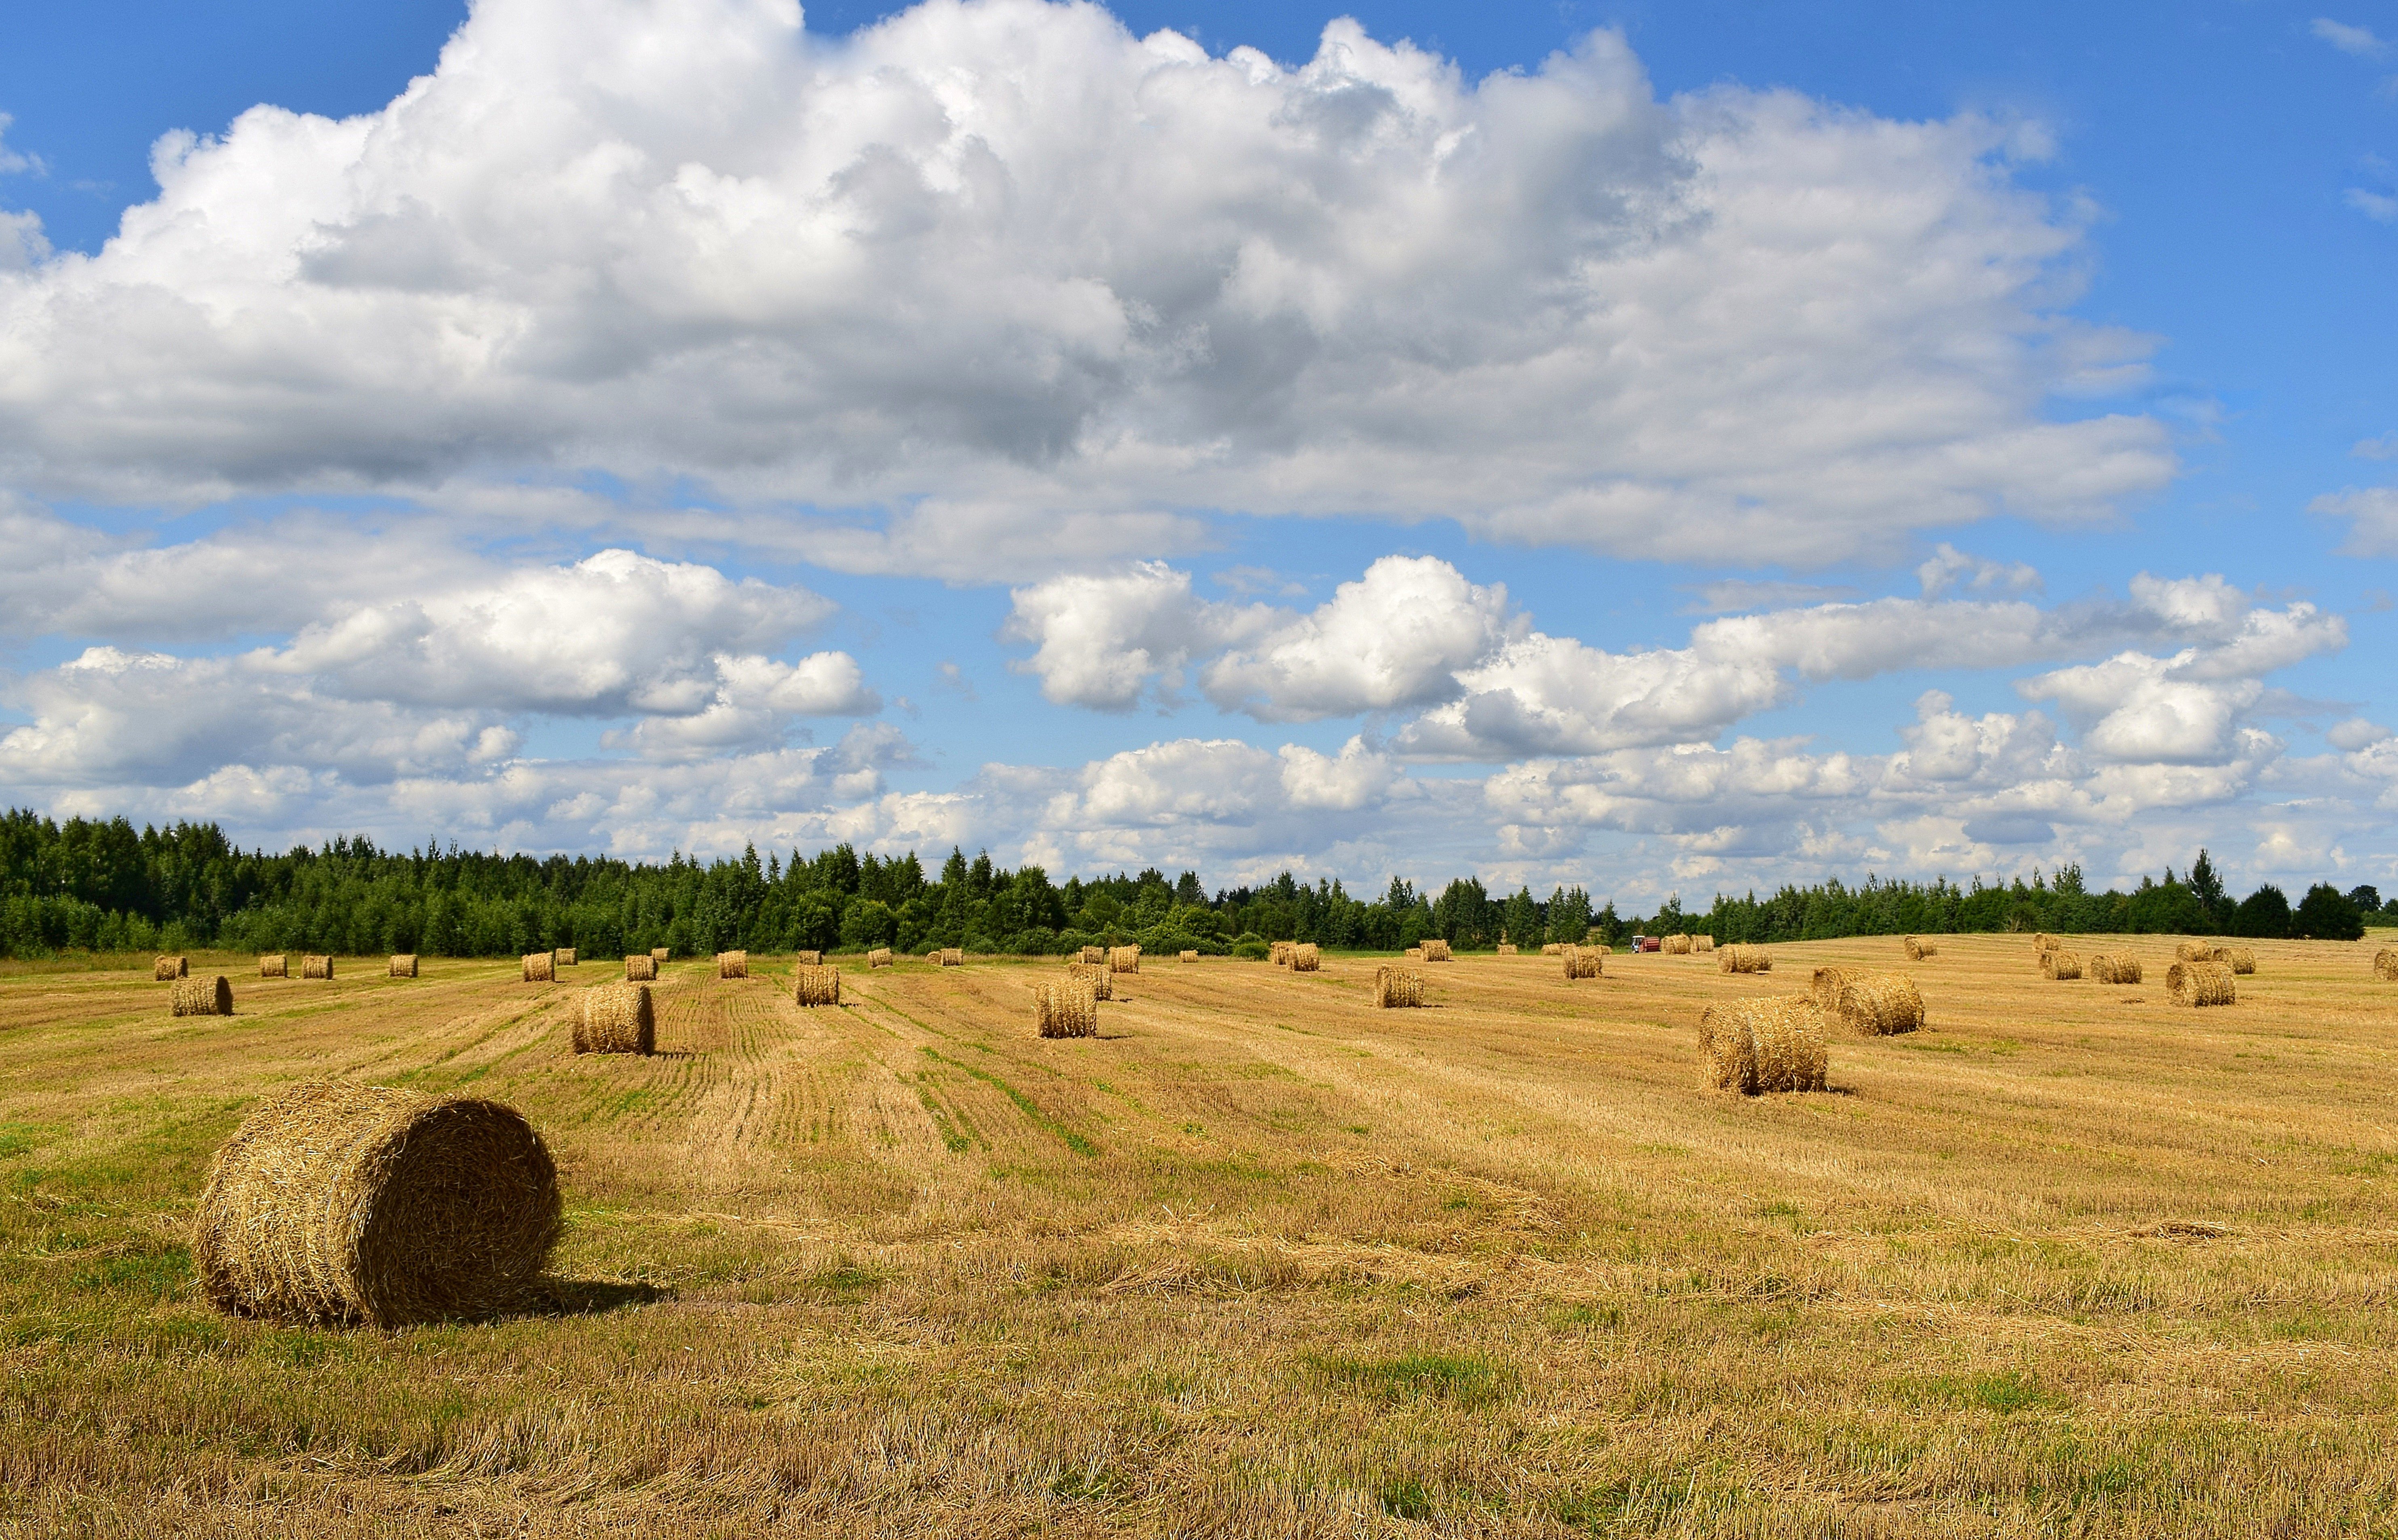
point(104, 885)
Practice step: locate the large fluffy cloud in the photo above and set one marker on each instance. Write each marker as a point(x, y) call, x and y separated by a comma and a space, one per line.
point(1003, 254)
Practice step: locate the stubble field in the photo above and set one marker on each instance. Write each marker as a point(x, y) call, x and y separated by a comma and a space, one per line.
point(1259, 1260)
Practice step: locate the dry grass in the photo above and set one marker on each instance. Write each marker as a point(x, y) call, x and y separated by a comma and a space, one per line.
point(1065, 1007)
point(2200, 984)
point(1743, 958)
point(1876, 1004)
point(617, 1018)
point(1397, 988)
point(2385, 964)
point(1552, 949)
point(1507, 949)
point(1262, 1260)
point(732, 965)
point(1124, 959)
point(813, 983)
point(1306, 957)
point(2242, 960)
point(1703, 944)
point(1095, 954)
point(2116, 968)
point(1917, 948)
point(1584, 962)
point(1188, 955)
point(1755, 1046)
point(640, 967)
point(536, 968)
point(1098, 975)
point(2060, 964)
point(1278, 952)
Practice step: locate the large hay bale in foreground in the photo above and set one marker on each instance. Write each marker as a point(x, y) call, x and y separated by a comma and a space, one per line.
point(815, 985)
point(1918, 948)
point(1124, 959)
point(1098, 975)
point(1677, 945)
point(1825, 987)
point(1756, 1046)
point(617, 1018)
point(2200, 984)
point(660, 954)
point(639, 968)
point(2385, 964)
point(951, 956)
point(1742, 958)
point(170, 968)
point(1552, 949)
point(337, 1203)
point(2115, 967)
point(1435, 950)
point(2240, 958)
point(732, 965)
point(2060, 964)
point(1397, 988)
point(1095, 954)
point(1703, 944)
point(808, 960)
point(403, 965)
point(274, 966)
point(1879, 1005)
point(1307, 957)
point(1584, 962)
point(566, 958)
point(1188, 955)
point(879, 958)
point(202, 996)
point(315, 968)
point(537, 967)
point(1065, 1007)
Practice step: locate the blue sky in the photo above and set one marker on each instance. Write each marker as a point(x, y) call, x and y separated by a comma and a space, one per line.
point(1733, 445)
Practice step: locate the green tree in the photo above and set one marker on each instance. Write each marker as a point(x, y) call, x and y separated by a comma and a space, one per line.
point(2326, 915)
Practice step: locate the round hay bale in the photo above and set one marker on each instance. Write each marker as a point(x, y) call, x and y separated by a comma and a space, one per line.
point(879, 958)
point(1095, 954)
point(2241, 959)
point(952, 957)
point(1918, 948)
point(2197, 951)
point(1414, 954)
point(732, 965)
point(538, 967)
point(2115, 967)
point(1507, 949)
point(166, 969)
point(1741, 958)
point(1758, 1046)
point(639, 968)
point(1584, 962)
point(2385, 964)
point(403, 965)
point(1677, 945)
point(1124, 959)
point(660, 954)
point(1065, 1007)
point(315, 968)
point(2043, 941)
point(1278, 953)
point(808, 960)
point(1397, 988)
point(617, 1018)
point(202, 996)
point(337, 1203)
point(1099, 975)
point(1703, 944)
point(815, 985)
point(566, 958)
point(2200, 984)
point(2060, 964)
point(1189, 955)
point(274, 966)
point(1435, 950)
point(1552, 949)
point(1727, 1049)
point(1825, 987)
point(1306, 957)
point(1879, 1005)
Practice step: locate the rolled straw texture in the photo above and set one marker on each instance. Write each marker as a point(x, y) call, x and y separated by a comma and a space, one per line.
point(1099, 975)
point(879, 958)
point(1918, 948)
point(1756, 1046)
point(815, 985)
point(1740, 958)
point(1278, 953)
point(639, 968)
point(1188, 955)
point(952, 957)
point(1095, 954)
point(169, 968)
point(617, 1018)
point(1703, 944)
point(275, 967)
point(1065, 1007)
point(1879, 1005)
point(1414, 954)
point(403, 966)
point(808, 960)
point(315, 968)
point(1552, 949)
point(537, 967)
point(1727, 1049)
point(338, 1202)
point(2385, 964)
point(2043, 941)
point(1124, 959)
point(1584, 962)
point(732, 965)
point(660, 954)
point(1397, 988)
point(2200, 984)
point(1306, 957)
point(2242, 959)
point(1677, 945)
point(2197, 951)
point(1507, 949)
point(1825, 987)
point(566, 958)
point(2060, 964)
point(2115, 967)
point(202, 996)
point(1435, 950)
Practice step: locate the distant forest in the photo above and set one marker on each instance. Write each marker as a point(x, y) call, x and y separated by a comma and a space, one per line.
point(106, 886)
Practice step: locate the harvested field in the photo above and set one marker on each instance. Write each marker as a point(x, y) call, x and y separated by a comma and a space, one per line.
point(1262, 1259)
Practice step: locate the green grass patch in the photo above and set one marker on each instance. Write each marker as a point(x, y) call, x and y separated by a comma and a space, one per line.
point(1461, 1379)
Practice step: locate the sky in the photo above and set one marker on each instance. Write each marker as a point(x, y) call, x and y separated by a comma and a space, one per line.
point(1668, 448)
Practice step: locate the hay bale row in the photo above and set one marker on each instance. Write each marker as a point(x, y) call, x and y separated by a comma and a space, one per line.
point(617, 1018)
point(1397, 988)
point(403, 966)
point(1677, 945)
point(1758, 1046)
point(1065, 1007)
point(2115, 967)
point(2200, 984)
point(1703, 944)
point(1583, 962)
point(2385, 964)
point(2060, 964)
point(879, 958)
point(1098, 975)
point(538, 967)
point(808, 960)
point(566, 958)
point(1124, 959)
point(1879, 1004)
point(1189, 955)
point(274, 966)
point(660, 954)
point(337, 1204)
point(1554, 949)
point(1739, 957)
point(1917, 948)
point(166, 969)
point(640, 967)
point(1435, 950)
point(815, 985)
point(732, 965)
point(1306, 957)
point(201, 996)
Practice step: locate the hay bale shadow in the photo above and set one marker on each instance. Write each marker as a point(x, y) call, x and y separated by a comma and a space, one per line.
point(583, 1296)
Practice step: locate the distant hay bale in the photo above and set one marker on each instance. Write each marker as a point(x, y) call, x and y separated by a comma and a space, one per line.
point(879, 958)
point(808, 960)
point(2060, 964)
point(1703, 944)
point(337, 1203)
point(1435, 950)
point(2385, 964)
point(2043, 941)
point(817, 985)
point(1677, 945)
point(2242, 959)
point(1756, 1046)
point(951, 956)
point(2200, 984)
point(1095, 954)
point(403, 965)
point(1065, 1007)
point(617, 1018)
point(2115, 967)
point(202, 996)
point(1306, 957)
point(1583, 962)
point(538, 967)
point(1098, 975)
point(1189, 956)
point(660, 954)
point(2197, 951)
point(1739, 957)
point(566, 958)
point(274, 966)
point(732, 965)
point(1918, 948)
point(1507, 949)
point(1124, 959)
point(1278, 953)
point(315, 968)
point(170, 968)
point(639, 968)
point(1397, 988)
point(1414, 954)
point(1552, 949)
point(1879, 1005)
point(1825, 987)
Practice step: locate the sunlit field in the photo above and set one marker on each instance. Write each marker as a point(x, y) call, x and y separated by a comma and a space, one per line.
point(1261, 1259)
